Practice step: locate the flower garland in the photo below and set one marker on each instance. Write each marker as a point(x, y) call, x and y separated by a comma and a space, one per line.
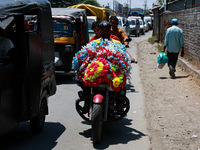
point(105, 61)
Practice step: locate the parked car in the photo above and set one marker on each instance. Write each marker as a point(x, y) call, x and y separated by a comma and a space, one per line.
point(123, 22)
point(142, 30)
point(146, 27)
point(134, 26)
point(148, 19)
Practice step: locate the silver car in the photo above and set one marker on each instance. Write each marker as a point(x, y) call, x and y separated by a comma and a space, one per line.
point(134, 26)
point(123, 22)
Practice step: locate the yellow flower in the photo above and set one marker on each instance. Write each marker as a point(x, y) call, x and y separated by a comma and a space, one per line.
point(96, 73)
point(116, 82)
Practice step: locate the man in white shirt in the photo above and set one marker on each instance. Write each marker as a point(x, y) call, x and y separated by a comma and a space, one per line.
point(5, 45)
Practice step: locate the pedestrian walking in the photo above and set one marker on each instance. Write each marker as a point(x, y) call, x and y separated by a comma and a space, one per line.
point(173, 42)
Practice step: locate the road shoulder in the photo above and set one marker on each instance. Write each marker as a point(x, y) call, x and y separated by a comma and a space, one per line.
point(171, 105)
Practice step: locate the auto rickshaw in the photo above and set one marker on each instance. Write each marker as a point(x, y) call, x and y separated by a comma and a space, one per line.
point(27, 71)
point(70, 29)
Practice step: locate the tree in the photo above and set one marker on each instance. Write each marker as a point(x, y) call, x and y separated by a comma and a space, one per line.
point(63, 3)
point(160, 2)
point(91, 2)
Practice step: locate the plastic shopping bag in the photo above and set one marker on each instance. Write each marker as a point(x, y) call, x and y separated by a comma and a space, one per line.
point(160, 66)
point(162, 60)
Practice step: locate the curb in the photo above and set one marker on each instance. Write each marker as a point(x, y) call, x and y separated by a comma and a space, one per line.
point(188, 67)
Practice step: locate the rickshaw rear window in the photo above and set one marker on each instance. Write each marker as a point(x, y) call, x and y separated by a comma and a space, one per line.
point(90, 21)
point(63, 29)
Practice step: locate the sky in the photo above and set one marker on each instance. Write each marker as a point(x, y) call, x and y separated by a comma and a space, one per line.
point(134, 3)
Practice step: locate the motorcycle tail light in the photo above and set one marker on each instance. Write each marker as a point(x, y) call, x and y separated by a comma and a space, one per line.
point(80, 94)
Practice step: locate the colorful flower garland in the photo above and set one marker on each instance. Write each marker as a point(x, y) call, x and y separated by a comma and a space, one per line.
point(105, 61)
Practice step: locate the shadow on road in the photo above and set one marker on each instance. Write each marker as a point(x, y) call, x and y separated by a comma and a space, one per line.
point(21, 138)
point(130, 88)
point(65, 78)
point(115, 133)
point(177, 77)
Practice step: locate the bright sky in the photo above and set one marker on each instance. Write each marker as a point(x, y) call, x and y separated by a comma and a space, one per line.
point(134, 3)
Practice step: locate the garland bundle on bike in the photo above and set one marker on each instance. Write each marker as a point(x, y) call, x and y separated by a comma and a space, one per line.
point(102, 62)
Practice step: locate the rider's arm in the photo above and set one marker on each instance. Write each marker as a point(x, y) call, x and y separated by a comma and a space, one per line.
point(124, 37)
point(130, 57)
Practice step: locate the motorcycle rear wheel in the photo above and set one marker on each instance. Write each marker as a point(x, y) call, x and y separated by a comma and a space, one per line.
point(96, 123)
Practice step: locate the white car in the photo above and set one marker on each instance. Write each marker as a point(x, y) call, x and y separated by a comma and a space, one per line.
point(149, 21)
point(123, 22)
point(146, 27)
point(142, 30)
point(134, 26)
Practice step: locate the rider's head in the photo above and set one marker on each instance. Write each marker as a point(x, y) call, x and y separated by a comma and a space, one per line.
point(95, 27)
point(114, 21)
point(105, 29)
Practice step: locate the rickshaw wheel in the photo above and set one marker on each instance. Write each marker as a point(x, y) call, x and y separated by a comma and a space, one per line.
point(37, 123)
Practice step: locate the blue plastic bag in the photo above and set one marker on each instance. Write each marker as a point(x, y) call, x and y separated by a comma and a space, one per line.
point(162, 58)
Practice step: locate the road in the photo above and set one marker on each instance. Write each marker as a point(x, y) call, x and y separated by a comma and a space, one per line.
point(65, 129)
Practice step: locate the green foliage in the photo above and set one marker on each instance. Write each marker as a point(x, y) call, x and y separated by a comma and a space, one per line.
point(92, 2)
point(160, 47)
point(153, 39)
point(62, 3)
point(160, 2)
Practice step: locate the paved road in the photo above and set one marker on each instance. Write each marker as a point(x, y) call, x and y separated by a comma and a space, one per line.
point(65, 130)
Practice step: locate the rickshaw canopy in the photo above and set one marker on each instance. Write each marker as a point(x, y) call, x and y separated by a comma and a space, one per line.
point(11, 7)
point(100, 12)
point(73, 12)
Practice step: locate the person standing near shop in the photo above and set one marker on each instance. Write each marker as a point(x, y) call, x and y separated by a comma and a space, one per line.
point(173, 42)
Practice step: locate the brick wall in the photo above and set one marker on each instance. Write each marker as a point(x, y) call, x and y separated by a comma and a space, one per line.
point(189, 21)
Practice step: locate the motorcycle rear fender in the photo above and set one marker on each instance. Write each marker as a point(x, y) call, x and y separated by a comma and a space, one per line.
point(98, 98)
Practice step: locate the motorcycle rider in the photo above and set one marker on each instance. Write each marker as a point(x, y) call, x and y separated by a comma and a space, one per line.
point(97, 31)
point(118, 31)
point(105, 27)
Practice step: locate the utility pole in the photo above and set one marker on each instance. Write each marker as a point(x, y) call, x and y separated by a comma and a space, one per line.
point(127, 8)
point(130, 5)
point(113, 6)
point(145, 6)
point(166, 4)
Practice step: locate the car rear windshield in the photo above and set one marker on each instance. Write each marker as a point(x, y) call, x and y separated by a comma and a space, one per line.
point(132, 22)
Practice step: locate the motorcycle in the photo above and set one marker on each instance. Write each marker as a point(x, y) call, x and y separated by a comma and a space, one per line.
point(103, 95)
point(101, 105)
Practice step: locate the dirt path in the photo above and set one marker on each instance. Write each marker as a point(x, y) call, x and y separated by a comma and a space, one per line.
point(172, 105)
